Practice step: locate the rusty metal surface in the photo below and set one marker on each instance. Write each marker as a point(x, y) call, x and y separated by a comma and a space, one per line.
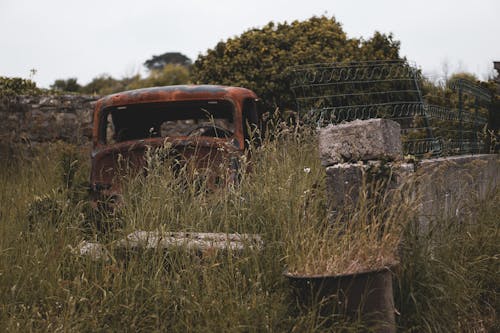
point(205, 151)
point(169, 94)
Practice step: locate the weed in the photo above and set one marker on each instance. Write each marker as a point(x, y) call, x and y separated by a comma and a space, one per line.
point(45, 286)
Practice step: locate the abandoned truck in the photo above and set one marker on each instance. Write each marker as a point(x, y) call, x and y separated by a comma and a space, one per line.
point(210, 126)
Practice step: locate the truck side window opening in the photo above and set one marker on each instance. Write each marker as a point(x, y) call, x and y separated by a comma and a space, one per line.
point(250, 122)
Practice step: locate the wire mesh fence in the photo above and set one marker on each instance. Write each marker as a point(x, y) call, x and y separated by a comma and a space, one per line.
point(340, 92)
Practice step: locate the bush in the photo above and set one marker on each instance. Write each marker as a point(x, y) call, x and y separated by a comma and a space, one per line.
point(11, 86)
point(258, 59)
point(68, 85)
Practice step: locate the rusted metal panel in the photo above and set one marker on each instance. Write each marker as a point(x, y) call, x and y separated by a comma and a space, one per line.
point(213, 145)
point(172, 93)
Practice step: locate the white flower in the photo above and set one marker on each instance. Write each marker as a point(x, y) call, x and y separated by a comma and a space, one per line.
point(307, 170)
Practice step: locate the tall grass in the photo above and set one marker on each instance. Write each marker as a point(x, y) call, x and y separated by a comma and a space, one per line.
point(361, 237)
point(450, 275)
point(45, 286)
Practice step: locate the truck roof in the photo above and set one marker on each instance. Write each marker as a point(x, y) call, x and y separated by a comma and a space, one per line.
point(174, 93)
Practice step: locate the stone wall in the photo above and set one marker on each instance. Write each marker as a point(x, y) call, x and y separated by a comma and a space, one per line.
point(443, 186)
point(46, 118)
point(446, 185)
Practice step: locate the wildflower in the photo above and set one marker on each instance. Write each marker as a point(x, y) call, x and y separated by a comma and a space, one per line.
point(307, 170)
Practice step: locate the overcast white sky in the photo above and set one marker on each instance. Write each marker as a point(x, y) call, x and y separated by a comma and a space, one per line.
point(64, 38)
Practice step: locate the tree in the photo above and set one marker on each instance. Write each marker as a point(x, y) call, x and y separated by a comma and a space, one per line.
point(68, 85)
point(258, 59)
point(102, 85)
point(169, 75)
point(160, 61)
point(106, 84)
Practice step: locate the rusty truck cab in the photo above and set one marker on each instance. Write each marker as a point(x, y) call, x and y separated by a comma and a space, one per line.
point(209, 124)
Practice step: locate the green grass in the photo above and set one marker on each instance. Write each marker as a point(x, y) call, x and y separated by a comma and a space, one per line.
point(450, 274)
point(44, 286)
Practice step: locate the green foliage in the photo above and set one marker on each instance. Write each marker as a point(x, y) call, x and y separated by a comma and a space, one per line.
point(45, 210)
point(69, 164)
point(445, 283)
point(11, 86)
point(152, 291)
point(463, 75)
point(169, 75)
point(258, 58)
point(158, 62)
point(66, 85)
point(440, 94)
point(379, 47)
point(102, 85)
point(171, 68)
point(449, 281)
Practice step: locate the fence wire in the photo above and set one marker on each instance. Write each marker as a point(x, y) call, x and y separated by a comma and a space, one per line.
point(341, 92)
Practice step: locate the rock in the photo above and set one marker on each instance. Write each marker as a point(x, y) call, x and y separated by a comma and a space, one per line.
point(204, 243)
point(345, 181)
point(198, 241)
point(96, 251)
point(360, 140)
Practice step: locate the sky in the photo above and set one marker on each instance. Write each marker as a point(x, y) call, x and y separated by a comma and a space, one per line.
point(86, 38)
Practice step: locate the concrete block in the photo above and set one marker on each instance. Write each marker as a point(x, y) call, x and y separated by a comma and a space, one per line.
point(346, 181)
point(202, 243)
point(199, 241)
point(360, 140)
point(343, 182)
point(447, 185)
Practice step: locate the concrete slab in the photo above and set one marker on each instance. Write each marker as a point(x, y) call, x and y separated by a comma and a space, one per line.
point(360, 140)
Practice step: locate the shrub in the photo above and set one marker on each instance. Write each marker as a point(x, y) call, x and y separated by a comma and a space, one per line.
point(258, 58)
point(11, 86)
